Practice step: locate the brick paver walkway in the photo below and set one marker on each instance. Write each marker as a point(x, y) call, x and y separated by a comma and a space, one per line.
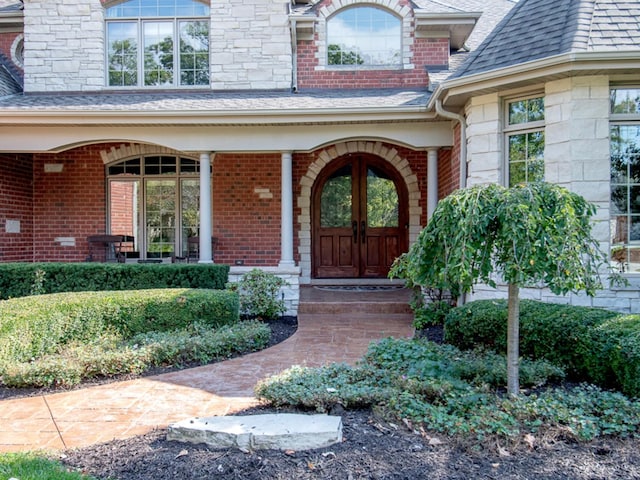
point(125, 409)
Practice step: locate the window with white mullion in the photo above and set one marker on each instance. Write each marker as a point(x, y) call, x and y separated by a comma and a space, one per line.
point(158, 43)
point(525, 140)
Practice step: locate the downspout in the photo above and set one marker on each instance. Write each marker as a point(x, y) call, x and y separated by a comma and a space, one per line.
point(294, 55)
point(463, 139)
point(462, 299)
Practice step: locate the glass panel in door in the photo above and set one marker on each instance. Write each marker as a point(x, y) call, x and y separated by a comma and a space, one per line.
point(161, 218)
point(190, 201)
point(336, 200)
point(382, 200)
point(124, 208)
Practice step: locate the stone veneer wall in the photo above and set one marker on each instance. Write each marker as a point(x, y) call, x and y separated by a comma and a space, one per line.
point(250, 45)
point(291, 290)
point(65, 50)
point(576, 156)
point(64, 45)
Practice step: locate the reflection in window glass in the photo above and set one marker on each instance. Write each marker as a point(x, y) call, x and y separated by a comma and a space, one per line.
point(382, 200)
point(364, 36)
point(122, 39)
point(194, 53)
point(171, 200)
point(158, 8)
point(526, 158)
point(625, 196)
point(336, 199)
point(526, 111)
point(156, 46)
point(158, 53)
point(625, 101)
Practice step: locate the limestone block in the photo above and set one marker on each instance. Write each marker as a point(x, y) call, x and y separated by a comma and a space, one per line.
point(260, 432)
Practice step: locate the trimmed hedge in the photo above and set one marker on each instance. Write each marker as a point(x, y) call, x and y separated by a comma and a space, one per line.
point(18, 279)
point(39, 325)
point(595, 345)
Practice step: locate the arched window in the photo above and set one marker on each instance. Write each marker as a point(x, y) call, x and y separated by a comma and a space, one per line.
point(158, 43)
point(364, 36)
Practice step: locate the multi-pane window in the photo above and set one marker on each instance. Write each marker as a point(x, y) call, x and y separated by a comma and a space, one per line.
point(525, 140)
point(364, 36)
point(155, 200)
point(158, 43)
point(625, 178)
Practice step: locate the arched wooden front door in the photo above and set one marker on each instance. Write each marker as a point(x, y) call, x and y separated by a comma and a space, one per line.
point(360, 218)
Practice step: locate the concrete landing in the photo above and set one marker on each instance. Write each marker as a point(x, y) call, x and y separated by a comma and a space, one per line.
point(280, 431)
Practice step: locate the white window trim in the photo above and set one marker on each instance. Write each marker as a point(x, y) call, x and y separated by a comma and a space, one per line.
point(391, 6)
point(140, 55)
point(517, 129)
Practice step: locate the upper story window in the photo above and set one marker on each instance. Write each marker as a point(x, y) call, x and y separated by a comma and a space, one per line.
point(525, 140)
point(364, 36)
point(158, 43)
point(625, 178)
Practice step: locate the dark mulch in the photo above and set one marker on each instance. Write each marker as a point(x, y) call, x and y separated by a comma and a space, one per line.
point(371, 449)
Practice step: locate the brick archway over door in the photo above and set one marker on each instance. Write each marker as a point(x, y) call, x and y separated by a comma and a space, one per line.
point(324, 158)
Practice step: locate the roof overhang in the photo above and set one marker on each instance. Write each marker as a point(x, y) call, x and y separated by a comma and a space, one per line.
point(456, 26)
point(456, 92)
point(40, 130)
point(12, 21)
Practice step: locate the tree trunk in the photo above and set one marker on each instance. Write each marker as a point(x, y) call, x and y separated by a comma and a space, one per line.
point(513, 340)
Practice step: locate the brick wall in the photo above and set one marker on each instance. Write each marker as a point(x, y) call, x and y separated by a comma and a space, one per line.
point(449, 166)
point(68, 204)
point(417, 54)
point(16, 206)
point(246, 208)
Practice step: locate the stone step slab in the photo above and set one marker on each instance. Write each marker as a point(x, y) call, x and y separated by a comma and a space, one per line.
point(279, 431)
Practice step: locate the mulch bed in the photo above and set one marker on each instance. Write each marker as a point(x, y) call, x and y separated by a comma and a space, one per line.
point(372, 448)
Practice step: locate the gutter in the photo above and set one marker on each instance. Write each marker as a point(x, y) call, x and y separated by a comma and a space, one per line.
point(463, 139)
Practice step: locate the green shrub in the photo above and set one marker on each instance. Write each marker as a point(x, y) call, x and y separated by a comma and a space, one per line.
point(391, 366)
point(260, 294)
point(598, 346)
point(446, 390)
point(22, 279)
point(618, 340)
point(32, 327)
point(109, 356)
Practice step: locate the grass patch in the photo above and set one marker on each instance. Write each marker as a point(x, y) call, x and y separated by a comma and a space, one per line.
point(30, 466)
point(444, 389)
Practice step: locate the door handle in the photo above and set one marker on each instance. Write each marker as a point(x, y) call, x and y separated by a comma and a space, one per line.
point(354, 226)
point(363, 230)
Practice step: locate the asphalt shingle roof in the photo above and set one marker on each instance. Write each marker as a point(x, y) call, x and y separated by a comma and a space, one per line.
point(208, 101)
point(10, 77)
point(536, 29)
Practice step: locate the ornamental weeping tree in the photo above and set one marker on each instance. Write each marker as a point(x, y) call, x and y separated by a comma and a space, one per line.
point(536, 234)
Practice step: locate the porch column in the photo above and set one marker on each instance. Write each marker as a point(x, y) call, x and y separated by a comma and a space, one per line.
point(432, 181)
point(286, 215)
point(205, 208)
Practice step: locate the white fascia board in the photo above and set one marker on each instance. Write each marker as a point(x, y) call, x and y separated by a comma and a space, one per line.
point(564, 64)
point(16, 116)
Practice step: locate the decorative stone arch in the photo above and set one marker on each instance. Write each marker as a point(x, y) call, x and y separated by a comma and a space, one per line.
point(324, 158)
point(17, 50)
point(398, 7)
point(116, 154)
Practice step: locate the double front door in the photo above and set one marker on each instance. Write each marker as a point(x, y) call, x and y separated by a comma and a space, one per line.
point(360, 218)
